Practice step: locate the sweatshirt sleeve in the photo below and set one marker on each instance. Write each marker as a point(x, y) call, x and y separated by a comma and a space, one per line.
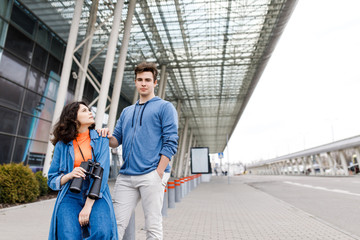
point(169, 130)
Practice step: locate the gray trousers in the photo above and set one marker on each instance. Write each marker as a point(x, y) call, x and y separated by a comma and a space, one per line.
point(128, 191)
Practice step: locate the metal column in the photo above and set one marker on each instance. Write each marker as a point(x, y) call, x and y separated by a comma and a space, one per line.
point(183, 143)
point(186, 162)
point(120, 67)
point(64, 80)
point(108, 67)
point(162, 81)
point(344, 163)
point(85, 56)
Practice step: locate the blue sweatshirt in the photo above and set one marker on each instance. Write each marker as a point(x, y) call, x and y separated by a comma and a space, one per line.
point(147, 131)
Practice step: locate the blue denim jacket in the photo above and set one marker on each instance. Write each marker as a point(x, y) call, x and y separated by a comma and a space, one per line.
point(63, 163)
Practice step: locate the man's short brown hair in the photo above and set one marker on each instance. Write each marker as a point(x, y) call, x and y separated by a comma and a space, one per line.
point(146, 67)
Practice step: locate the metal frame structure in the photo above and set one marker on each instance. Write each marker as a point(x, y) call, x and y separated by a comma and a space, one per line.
point(214, 51)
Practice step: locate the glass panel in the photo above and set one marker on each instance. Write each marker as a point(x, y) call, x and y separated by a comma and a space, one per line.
point(3, 31)
point(57, 48)
point(5, 6)
point(10, 94)
point(13, 68)
point(48, 111)
point(40, 56)
point(34, 128)
point(52, 86)
point(9, 120)
point(36, 153)
point(43, 37)
point(23, 20)
point(6, 146)
point(19, 153)
point(37, 81)
point(32, 103)
point(53, 65)
point(19, 44)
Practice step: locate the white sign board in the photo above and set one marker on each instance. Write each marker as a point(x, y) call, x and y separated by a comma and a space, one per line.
point(200, 162)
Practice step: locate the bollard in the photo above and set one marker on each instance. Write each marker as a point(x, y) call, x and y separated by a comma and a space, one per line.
point(177, 190)
point(171, 195)
point(195, 180)
point(186, 186)
point(182, 187)
point(165, 203)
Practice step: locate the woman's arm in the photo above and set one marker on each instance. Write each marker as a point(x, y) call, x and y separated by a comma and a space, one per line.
point(84, 215)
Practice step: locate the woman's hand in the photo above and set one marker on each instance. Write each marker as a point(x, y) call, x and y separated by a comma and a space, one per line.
point(77, 172)
point(84, 216)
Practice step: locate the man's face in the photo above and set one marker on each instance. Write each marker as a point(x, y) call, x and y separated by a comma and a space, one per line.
point(145, 84)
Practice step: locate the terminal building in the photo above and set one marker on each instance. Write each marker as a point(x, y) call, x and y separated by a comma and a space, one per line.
point(210, 54)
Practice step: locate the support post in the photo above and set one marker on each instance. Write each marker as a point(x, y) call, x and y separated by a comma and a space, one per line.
point(120, 67)
point(85, 56)
point(162, 80)
point(108, 67)
point(64, 80)
point(344, 163)
point(183, 144)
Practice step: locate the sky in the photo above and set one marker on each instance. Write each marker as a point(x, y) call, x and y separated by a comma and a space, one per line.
point(309, 93)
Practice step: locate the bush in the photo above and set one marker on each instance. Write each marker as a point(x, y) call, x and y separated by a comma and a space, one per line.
point(43, 187)
point(17, 184)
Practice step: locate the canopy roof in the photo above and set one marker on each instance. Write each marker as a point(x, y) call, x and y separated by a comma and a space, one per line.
point(214, 51)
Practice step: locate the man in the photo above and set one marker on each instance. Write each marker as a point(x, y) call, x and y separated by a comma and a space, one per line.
point(148, 132)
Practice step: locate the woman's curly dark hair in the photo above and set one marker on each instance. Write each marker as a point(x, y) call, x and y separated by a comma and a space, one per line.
point(66, 129)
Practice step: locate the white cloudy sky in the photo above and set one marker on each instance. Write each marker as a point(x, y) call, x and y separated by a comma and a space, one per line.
point(309, 93)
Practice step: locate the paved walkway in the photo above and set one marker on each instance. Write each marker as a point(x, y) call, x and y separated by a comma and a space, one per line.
point(214, 210)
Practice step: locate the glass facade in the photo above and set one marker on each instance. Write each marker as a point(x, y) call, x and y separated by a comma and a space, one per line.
point(31, 57)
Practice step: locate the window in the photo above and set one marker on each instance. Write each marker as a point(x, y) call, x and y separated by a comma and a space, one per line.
point(10, 94)
point(57, 48)
point(20, 150)
point(13, 68)
point(53, 65)
point(43, 37)
point(36, 81)
point(19, 44)
point(40, 56)
point(9, 120)
point(32, 103)
point(23, 20)
point(6, 146)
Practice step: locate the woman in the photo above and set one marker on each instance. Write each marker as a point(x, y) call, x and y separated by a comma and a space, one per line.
point(75, 215)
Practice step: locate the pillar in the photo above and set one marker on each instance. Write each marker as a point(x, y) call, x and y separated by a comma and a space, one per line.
point(182, 153)
point(108, 67)
point(85, 56)
point(64, 80)
point(120, 67)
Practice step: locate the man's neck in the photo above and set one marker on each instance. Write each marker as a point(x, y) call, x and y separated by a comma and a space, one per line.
point(144, 99)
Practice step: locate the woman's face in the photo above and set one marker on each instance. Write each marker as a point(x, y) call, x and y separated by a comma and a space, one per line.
point(84, 116)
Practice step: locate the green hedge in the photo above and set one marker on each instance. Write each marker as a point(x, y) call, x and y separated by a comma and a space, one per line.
point(18, 184)
point(43, 187)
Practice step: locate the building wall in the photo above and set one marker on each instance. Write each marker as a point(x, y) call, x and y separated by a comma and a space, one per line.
point(31, 57)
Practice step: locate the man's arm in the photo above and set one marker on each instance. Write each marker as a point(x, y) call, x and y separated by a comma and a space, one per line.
point(164, 161)
point(105, 132)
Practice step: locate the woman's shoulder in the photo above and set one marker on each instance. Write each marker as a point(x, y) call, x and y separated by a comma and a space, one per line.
point(94, 135)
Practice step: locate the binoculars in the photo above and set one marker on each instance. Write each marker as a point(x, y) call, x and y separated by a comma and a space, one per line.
point(94, 170)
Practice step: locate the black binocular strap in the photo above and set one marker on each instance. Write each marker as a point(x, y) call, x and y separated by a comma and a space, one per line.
point(92, 150)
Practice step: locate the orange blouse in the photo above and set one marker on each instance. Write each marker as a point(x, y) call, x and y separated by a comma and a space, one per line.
point(84, 141)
